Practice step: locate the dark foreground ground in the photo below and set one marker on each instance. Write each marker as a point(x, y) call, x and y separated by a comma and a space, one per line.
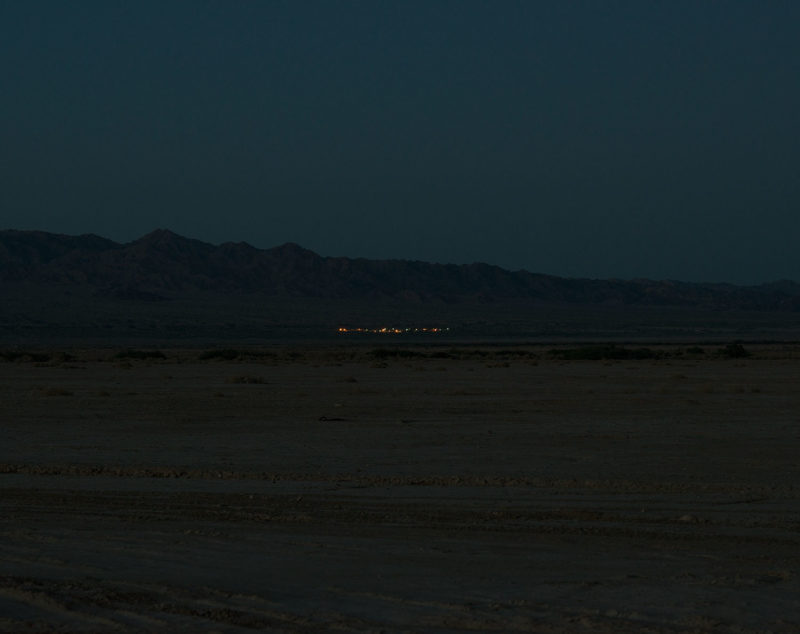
point(349, 489)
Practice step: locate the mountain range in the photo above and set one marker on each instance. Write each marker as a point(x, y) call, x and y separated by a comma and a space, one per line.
point(163, 265)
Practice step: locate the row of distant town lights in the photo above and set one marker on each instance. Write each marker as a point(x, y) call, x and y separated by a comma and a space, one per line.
point(391, 331)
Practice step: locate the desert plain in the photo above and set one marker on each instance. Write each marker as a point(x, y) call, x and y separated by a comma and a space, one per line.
point(384, 488)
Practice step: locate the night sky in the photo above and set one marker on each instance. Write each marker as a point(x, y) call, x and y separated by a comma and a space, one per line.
point(602, 139)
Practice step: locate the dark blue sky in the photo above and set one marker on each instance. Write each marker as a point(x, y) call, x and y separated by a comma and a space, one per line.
point(588, 138)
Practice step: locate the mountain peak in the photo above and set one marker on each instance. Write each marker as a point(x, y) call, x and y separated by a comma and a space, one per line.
point(293, 250)
point(166, 242)
point(159, 236)
point(290, 246)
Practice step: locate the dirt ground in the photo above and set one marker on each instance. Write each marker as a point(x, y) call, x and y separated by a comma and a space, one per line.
point(363, 490)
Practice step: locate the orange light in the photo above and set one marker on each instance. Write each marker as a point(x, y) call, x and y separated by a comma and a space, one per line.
point(391, 329)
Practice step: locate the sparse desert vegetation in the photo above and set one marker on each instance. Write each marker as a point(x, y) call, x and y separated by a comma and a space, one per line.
point(569, 488)
point(131, 353)
point(244, 379)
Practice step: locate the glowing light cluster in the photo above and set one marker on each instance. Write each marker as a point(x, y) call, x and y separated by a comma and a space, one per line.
point(391, 330)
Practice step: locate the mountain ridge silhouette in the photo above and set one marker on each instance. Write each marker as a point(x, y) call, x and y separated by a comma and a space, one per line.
point(163, 264)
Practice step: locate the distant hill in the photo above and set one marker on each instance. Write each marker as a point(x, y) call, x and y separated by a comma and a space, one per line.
point(162, 265)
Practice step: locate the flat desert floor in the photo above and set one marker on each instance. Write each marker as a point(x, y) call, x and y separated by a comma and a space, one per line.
point(361, 490)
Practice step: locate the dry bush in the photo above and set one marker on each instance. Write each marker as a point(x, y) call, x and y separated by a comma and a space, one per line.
point(139, 354)
point(226, 354)
point(734, 351)
point(24, 355)
point(604, 352)
point(56, 391)
point(247, 379)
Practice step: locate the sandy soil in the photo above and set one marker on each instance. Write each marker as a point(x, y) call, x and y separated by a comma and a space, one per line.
point(333, 490)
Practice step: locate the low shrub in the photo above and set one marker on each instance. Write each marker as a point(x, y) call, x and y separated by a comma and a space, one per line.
point(602, 352)
point(226, 354)
point(734, 351)
point(247, 380)
point(130, 353)
point(24, 355)
point(385, 353)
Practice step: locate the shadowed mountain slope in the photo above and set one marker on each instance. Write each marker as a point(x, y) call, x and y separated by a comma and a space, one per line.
point(162, 264)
